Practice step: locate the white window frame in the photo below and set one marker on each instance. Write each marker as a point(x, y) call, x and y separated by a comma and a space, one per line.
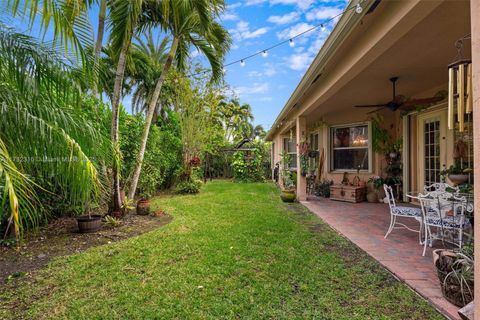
point(293, 154)
point(370, 152)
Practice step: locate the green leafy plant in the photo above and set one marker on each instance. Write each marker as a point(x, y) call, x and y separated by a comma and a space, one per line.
point(456, 168)
point(112, 221)
point(188, 187)
point(322, 189)
point(377, 182)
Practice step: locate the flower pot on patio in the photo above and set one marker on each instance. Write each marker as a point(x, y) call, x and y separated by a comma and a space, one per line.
point(288, 195)
point(372, 197)
point(458, 179)
point(89, 223)
point(455, 275)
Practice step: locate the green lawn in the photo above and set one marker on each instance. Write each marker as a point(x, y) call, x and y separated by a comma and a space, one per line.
point(232, 252)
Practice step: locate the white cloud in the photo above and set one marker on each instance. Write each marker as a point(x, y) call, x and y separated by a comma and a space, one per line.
point(254, 89)
point(242, 31)
point(299, 61)
point(229, 16)
point(323, 13)
point(254, 2)
point(268, 71)
point(287, 18)
point(302, 4)
point(234, 6)
point(294, 30)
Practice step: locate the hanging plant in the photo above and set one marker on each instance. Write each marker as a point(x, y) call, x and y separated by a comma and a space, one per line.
point(304, 150)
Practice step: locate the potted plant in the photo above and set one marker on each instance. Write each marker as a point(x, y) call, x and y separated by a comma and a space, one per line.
point(456, 174)
point(288, 190)
point(89, 222)
point(143, 204)
point(394, 149)
point(455, 272)
point(376, 183)
point(304, 149)
point(322, 189)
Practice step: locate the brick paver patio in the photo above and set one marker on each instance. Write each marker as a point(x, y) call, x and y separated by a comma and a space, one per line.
point(365, 225)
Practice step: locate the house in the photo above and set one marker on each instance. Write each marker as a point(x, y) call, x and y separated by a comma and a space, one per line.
point(402, 46)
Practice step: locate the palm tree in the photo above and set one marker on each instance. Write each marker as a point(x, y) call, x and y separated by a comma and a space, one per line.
point(43, 132)
point(190, 23)
point(124, 17)
point(70, 19)
point(149, 57)
point(102, 14)
point(236, 118)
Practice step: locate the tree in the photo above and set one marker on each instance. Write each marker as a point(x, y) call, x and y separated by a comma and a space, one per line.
point(124, 16)
point(190, 23)
point(45, 139)
point(149, 57)
point(236, 118)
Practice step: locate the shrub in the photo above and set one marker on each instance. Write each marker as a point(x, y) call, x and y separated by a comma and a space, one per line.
point(249, 166)
point(188, 187)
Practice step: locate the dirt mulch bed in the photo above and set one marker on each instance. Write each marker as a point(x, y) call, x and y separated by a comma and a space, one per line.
point(61, 237)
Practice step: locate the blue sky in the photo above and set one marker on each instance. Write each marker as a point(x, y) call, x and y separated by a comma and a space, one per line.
point(265, 83)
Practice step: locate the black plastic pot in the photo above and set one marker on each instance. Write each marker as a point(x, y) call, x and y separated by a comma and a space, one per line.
point(87, 224)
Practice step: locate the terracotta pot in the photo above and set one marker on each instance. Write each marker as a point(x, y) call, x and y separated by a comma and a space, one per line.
point(458, 179)
point(372, 197)
point(88, 224)
point(143, 207)
point(288, 195)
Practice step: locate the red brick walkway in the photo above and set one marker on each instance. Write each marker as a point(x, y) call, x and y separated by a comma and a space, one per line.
point(365, 225)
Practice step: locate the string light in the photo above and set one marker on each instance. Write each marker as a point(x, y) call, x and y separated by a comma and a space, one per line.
point(358, 9)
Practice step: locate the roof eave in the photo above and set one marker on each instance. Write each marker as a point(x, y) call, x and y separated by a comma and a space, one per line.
point(339, 33)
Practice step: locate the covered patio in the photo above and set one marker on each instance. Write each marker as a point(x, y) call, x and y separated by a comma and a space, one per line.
point(365, 225)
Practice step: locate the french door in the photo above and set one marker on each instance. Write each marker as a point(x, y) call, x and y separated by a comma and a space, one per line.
point(432, 143)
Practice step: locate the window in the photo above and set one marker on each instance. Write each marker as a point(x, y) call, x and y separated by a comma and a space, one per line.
point(290, 147)
point(350, 147)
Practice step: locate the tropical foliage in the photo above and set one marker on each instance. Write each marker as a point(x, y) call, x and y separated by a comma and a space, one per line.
point(68, 146)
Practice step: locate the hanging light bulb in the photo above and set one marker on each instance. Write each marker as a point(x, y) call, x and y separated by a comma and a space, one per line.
point(322, 27)
point(264, 53)
point(359, 8)
point(242, 63)
point(291, 43)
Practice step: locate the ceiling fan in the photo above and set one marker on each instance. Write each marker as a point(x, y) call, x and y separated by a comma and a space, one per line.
point(401, 102)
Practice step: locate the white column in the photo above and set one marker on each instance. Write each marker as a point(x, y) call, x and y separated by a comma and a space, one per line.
point(301, 126)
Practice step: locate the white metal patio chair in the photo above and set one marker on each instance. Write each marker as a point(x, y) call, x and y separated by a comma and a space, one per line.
point(402, 211)
point(439, 188)
point(446, 213)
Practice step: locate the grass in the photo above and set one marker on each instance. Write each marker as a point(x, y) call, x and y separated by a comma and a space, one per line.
point(232, 252)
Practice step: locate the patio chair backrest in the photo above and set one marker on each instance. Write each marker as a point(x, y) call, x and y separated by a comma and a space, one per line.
point(389, 195)
point(439, 188)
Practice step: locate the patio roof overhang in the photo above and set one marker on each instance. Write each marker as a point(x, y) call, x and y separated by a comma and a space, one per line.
point(410, 39)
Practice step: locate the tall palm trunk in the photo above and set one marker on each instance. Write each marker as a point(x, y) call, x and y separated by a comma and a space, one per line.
point(98, 45)
point(117, 89)
point(151, 110)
